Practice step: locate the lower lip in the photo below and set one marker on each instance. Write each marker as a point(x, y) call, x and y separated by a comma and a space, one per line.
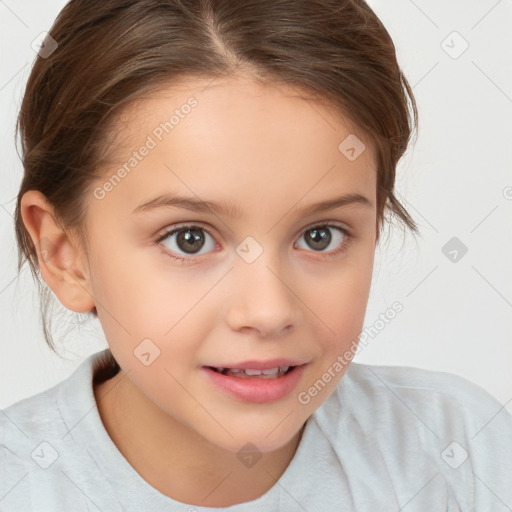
point(257, 390)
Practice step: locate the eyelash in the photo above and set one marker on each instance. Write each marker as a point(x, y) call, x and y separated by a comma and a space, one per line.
point(348, 237)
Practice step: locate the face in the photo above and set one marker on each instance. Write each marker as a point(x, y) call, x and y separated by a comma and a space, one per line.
point(266, 280)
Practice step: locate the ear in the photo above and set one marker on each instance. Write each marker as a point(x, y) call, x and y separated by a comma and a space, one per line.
point(61, 261)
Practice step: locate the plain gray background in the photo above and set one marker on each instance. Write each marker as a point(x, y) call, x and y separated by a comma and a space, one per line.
point(456, 182)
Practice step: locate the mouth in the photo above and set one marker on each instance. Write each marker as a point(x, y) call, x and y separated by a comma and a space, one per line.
point(253, 373)
point(257, 385)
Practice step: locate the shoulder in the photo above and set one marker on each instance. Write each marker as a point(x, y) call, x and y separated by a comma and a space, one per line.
point(430, 389)
point(445, 403)
point(41, 415)
point(51, 413)
point(26, 431)
point(39, 442)
point(26, 423)
point(416, 424)
point(32, 415)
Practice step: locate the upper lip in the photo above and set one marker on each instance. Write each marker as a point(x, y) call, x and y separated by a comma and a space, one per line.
point(260, 365)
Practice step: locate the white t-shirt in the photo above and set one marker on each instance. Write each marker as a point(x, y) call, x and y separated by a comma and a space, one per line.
point(387, 439)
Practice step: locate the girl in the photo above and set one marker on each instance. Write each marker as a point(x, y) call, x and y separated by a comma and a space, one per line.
point(266, 133)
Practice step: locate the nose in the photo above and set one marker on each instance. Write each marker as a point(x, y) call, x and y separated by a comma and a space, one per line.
point(262, 299)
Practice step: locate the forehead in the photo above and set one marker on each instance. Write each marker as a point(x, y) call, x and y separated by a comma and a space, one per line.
point(236, 137)
point(238, 102)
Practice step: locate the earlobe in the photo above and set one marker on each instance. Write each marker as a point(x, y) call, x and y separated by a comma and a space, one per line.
point(60, 259)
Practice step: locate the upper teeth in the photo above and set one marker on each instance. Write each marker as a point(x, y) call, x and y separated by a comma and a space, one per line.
point(250, 371)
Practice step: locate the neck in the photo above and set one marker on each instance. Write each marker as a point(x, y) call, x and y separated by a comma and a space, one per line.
point(175, 459)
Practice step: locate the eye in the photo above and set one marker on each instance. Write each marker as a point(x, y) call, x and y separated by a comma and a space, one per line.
point(189, 241)
point(320, 237)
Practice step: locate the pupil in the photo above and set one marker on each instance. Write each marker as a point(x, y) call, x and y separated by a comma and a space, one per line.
point(320, 238)
point(190, 240)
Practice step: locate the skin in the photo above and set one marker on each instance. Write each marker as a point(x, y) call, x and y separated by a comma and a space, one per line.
point(272, 153)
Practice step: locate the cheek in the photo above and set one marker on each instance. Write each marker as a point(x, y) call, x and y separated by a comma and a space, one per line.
point(341, 301)
point(142, 299)
point(131, 285)
point(341, 308)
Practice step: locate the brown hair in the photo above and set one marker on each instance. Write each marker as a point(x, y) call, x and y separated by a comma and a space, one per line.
point(111, 52)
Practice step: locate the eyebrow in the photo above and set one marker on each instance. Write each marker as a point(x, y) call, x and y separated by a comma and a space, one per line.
point(232, 210)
